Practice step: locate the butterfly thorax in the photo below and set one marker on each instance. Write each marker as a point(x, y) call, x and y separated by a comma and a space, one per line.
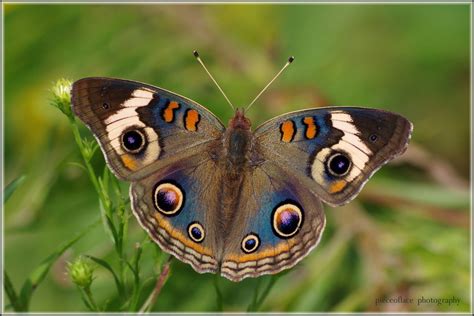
point(237, 142)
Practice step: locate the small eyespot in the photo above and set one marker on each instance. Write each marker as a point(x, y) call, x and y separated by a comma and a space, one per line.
point(338, 164)
point(133, 141)
point(105, 105)
point(196, 232)
point(373, 138)
point(287, 219)
point(168, 198)
point(250, 243)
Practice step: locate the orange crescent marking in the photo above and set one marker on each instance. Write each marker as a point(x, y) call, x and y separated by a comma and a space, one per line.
point(191, 120)
point(174, 233)
point(129, 162)
point(287, 131)
point(168, 113)
point(337, 186)
point(269, 252)
point(310, 127)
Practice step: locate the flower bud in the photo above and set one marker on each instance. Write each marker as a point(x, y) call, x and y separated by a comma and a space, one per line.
point(81, 272)
point(62, 96)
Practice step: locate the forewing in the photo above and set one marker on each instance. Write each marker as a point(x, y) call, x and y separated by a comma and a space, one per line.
point(122, 114)
point(333, 151)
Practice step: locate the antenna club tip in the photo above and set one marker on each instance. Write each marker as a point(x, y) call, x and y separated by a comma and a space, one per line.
point(291, 58)
point(195, 53)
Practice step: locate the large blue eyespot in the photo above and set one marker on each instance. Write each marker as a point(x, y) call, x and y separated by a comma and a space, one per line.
point(250, 243)
point(133, 141)
point(196, 232)
point(168, 198)
point(287, 219)
point(338, 164)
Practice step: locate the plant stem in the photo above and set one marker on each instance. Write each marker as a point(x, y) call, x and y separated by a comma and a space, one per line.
point(104, 200)
point(252, 306)
point(11, 293)
point(93, 177)
point(220, 304)
point(88, 293)
point(265, 293)
point(158, 286)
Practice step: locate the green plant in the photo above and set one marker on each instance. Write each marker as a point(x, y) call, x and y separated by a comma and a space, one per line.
point(20, 301)
point(113, 208)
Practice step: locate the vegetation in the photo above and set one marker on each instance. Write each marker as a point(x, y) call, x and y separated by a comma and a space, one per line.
point(70, 241)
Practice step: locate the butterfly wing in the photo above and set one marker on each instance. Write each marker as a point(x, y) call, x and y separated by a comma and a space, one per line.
point(299, 159)
point(278, 220)
point(141, 128)
point(333, 151)
point(177, 207)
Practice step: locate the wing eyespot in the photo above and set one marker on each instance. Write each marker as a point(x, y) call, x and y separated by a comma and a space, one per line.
point(250, 243)
point(168, 198)
point(287, 219)
point(196, 232)
point(338, 164)
point(133, 141)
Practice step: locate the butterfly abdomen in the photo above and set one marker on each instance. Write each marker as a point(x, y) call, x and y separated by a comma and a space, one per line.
point(234, 162)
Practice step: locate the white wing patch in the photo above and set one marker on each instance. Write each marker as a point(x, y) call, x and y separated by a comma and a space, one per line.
point(140, 97)
point(350, 143)
point(126, 117)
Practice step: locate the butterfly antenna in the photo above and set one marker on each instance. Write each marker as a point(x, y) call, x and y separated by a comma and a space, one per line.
point(196, 54)
point(290, 60)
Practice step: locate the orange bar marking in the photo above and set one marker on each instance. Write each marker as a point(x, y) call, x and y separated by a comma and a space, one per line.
point(191, 120)
point(168, 113)
point(264, 253)
point(288, 131)
point(174, 233)
point(337, 186)
point(129, 162)
point(310, 127)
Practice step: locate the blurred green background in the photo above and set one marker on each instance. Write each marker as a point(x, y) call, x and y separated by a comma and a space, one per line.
point(408, 232)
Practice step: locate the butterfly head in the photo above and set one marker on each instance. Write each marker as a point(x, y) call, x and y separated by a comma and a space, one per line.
point(239, 120)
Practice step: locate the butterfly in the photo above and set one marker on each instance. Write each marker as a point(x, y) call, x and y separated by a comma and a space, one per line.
point(234, 201)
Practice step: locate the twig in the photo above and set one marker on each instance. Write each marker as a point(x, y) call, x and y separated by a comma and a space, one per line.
point(158, 286)
point(440, 170)
point(444, 215)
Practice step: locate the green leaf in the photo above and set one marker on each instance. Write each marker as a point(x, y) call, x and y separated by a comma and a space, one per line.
point(423, 193)
point(107, 266)
point(77, 164)
point(11, 187)
point(133, 306)
point(11, 293)
point(107, 223)
point(135, 268)
point(257, 303)
point(105, 180)
point(253, 304)
point(38, 275)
